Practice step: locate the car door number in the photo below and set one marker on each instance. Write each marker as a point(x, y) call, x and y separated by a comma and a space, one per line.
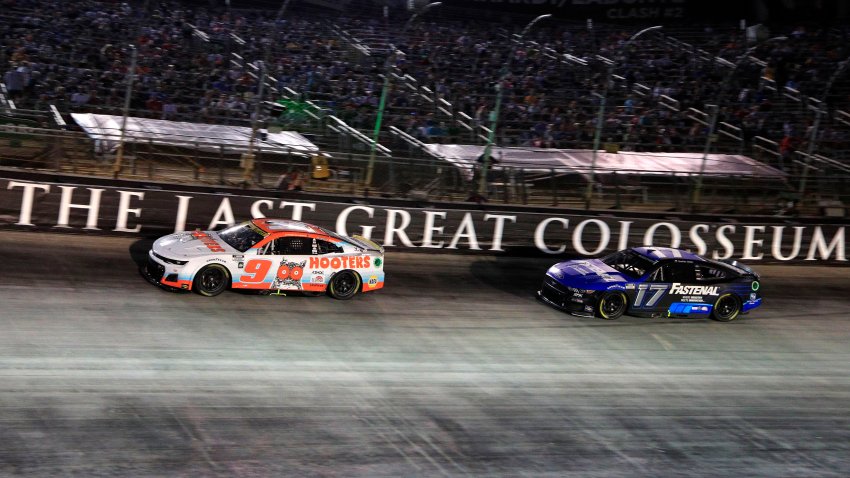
point(256, 270)
point(652, 293)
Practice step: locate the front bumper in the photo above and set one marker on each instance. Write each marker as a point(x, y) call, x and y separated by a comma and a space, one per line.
point(559, 297)
point(155, 272)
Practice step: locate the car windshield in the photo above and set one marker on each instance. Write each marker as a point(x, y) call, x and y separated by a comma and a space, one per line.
point(242, 236)
point(629, 263)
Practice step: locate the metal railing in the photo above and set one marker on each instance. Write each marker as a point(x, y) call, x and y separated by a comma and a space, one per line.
point(428, 177)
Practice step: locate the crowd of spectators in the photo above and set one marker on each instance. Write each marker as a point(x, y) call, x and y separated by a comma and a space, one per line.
point(195, 65)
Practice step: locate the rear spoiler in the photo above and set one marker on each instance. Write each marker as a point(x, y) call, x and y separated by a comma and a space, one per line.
point(367, 244)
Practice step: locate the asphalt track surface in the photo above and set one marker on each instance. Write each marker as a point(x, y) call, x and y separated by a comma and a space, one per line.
point(453, 370)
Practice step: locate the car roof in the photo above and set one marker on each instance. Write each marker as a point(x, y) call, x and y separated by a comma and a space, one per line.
point(658, 253)
point(286, 225)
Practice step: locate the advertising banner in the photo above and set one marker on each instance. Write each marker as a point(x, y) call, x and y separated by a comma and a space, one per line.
point(447, 227)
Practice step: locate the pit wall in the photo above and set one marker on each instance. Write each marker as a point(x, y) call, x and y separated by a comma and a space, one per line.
point(31, 201)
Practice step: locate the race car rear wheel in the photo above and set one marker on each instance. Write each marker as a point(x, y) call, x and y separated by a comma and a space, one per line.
point(211, 280)
point(612, 305)
point(344, 285)
point(726, 309)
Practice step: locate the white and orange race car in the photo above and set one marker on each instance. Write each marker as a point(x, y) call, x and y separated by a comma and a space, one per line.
point(267, 255)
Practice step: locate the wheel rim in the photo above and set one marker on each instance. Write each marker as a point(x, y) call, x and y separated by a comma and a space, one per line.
point(726, 307)
point(612, 305)
point(344, 284)
point(213, 279)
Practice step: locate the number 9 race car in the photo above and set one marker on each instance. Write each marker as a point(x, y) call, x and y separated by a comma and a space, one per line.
point(652, 282)
point(267, 255)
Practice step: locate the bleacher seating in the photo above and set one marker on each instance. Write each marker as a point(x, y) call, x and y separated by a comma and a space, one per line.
point(201, 65)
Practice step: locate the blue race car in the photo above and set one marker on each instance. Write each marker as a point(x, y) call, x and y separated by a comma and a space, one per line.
point(652, 282)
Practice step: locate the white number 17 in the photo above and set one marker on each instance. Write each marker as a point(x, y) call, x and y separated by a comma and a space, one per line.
point(656, 290)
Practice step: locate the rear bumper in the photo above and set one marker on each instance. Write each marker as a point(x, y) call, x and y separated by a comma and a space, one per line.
point(749, 305)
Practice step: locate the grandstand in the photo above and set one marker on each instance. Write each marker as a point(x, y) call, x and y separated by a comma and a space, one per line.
point(784, 102)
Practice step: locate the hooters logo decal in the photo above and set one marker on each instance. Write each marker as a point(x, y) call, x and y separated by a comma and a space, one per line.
point(344, 262)
point(288, 275)
point(208, 241)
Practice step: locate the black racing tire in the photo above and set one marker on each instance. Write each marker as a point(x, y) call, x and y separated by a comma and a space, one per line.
point(612, 305)
point(727, 308)
point(344, 285)
point(211, 280)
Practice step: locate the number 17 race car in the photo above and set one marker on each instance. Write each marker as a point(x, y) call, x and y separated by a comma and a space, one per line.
point(652, 282)
point(267, 255)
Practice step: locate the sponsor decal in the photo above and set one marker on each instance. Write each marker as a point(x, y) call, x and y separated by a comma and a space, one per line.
point(588, 308)
point(630, 286)
point(753, 296)
point(313, 287)
point(378, 262)
point(372, 282)
point(288, 275)
point(681, 289)
point(318, 279)
point(344, 262)
point(587, 268)
point(755, 285)
point(208, 241)
point(686, 308)
point(215, 259)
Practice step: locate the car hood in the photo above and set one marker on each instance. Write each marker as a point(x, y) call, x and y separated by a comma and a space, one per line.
point(188, 245)
point(586, 273)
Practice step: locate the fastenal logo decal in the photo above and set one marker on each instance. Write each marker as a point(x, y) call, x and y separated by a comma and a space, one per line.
point(693, 289)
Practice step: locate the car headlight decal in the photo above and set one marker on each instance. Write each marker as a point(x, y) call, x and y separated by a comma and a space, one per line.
point(170, 261)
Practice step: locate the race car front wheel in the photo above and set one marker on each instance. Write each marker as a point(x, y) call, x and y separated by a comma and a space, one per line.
point(344, 285)
point(211, 280)
point(726, 309)
point(611, 306)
